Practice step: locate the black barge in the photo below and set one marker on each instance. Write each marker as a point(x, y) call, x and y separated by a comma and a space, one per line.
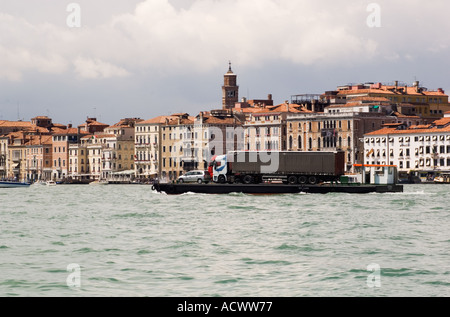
point(274, 189)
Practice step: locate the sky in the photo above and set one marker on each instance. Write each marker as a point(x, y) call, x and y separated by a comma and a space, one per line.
point(114, 59)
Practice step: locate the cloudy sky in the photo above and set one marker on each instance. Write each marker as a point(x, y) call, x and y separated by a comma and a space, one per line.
point(144, 58)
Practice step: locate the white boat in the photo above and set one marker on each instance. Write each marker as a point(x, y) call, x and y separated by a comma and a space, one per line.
point(8, 184)
point(442, 179)
point(100, 182)
point(51, 183)
point(40, 183)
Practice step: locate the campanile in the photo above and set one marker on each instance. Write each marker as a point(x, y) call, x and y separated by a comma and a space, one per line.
point(230, 89)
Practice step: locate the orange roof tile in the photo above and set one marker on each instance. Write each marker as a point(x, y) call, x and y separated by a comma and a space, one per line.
point(67, 131)
point(432, 128)
point(16, 124)
point(157, 120)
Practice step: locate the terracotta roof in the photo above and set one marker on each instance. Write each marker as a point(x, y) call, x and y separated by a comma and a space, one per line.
point(418, 129)
point(125, 122)
point(281, 108)
point(157, 120)
point(435, 93)
point(183, 121)
point(93, 123)
point(101, 136)
point(401, 115)
point(15, 124)
point(215, 120)
point(40, 140)
point(443, 121)
point(67, 131)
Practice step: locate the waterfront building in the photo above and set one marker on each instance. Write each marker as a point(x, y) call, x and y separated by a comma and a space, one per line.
point(425, 103)
point(265, 127)
point(423, 149)
point(39, 154)
point(176, 136)
point(148, 147)
point(214, 133)
point(78, 160)
point(99, 151)
point(119, 157)
point(340, 127)
point(17, 155)
point(62, 139)
point(4, 140)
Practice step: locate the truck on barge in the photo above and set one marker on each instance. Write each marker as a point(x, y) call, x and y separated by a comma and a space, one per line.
point(287, 167)
point(295, 172)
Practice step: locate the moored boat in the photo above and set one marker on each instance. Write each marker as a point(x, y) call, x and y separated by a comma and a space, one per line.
point(9, 184)
point(99, 182)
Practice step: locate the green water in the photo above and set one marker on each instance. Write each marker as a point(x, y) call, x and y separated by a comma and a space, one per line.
point(129, 241)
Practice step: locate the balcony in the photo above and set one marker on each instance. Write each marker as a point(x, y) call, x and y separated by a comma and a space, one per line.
point(142, 145)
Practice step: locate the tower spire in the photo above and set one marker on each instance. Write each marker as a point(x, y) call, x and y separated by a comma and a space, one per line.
point(230, 89)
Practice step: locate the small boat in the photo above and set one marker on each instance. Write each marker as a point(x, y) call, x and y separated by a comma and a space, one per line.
point(99, 182)
point(442, 179)
point(8, 184)
point(51, 183)
point(40, 183)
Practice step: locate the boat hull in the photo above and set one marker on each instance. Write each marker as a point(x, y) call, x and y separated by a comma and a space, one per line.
point(13, 185)
point(273, 189)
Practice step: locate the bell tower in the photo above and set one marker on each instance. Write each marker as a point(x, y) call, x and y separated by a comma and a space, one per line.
point(230, 89)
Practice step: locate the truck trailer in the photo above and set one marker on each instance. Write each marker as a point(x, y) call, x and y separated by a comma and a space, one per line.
point(250, 167)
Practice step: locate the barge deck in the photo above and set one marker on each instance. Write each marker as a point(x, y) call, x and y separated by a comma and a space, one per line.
point(274, 189)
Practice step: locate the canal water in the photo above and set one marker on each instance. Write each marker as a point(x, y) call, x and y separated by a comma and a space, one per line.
point(125, 240)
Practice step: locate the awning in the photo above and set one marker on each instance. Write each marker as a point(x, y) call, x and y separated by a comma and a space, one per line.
point(129, 172)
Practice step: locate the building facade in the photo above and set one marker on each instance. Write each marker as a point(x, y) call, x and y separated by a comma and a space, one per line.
point(335, 129)
point(424, 148)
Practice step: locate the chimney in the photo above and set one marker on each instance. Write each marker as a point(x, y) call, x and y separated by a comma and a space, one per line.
point(269, 97)
point(396, 85)
point(417, 85)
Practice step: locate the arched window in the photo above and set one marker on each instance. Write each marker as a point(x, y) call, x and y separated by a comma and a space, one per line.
point(300, 146)
point(290, 142)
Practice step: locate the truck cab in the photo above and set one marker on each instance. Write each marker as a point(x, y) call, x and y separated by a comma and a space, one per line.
point(218, 169)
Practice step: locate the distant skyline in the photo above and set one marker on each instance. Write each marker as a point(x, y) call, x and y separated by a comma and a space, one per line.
point(139, 58)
